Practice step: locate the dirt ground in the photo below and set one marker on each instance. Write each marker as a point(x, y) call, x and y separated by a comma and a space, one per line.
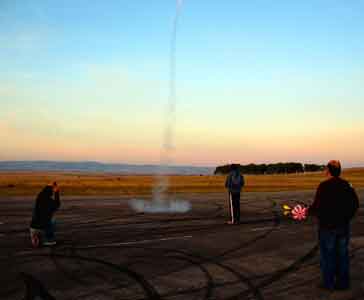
point(107, 251)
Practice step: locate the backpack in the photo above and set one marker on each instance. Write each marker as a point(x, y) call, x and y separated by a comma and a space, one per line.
point(236, 182)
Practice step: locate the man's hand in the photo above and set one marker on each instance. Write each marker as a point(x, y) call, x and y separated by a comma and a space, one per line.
point(55, 187)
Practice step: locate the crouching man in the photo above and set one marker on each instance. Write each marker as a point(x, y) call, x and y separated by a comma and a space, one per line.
point(335, 204)
point(42, 227)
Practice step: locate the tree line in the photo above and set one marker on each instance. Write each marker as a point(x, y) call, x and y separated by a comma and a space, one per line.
point(276, 168)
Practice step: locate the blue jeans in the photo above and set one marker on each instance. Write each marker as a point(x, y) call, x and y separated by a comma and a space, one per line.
point(49, 231)
point(334, 257)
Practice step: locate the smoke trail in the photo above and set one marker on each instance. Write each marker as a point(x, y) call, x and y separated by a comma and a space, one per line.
point(168, 145)
point(160, 203)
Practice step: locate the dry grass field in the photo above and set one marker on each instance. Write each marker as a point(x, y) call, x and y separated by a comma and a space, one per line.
point(28, 183)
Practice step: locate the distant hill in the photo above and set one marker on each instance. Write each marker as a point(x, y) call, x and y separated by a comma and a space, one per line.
point(90, 167)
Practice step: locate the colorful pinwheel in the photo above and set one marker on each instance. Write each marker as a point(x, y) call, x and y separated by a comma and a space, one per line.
point(299, 212)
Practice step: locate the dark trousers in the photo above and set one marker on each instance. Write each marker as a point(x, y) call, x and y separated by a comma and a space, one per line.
point(234, 204)
point(334, 257)
point(49, 230)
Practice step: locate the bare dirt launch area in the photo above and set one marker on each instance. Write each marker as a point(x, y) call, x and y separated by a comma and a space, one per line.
point(105, 250)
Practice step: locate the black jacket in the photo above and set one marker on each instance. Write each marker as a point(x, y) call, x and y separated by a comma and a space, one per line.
point(44, 208)
point(335, 204)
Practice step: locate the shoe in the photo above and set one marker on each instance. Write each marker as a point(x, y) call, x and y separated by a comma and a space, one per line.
point(230, 222)
point(321, 286)
point(35, 241)
point(49, 243)
point(342, 287)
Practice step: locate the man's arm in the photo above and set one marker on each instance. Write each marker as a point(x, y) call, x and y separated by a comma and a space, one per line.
point(355, 201)
point(56, 202)
point(227, 182)
point(315, 206)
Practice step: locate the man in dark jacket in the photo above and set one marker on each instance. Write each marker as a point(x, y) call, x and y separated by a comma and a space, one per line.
point(43, 211)
point(234, 184)
point(335, 204)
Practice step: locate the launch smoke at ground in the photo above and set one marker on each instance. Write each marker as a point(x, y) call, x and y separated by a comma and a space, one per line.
point(160, 202)
point(160, 206)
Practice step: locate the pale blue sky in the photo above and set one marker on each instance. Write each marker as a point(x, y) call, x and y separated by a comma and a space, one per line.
point(257, 80)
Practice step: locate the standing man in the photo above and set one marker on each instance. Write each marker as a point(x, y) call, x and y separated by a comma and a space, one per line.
point(335, 204)
point(46, 204)
point(234, 183)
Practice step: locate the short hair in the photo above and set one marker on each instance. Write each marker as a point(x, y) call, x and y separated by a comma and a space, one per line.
point(45, 193)
point(234, 167)
point(334, 168)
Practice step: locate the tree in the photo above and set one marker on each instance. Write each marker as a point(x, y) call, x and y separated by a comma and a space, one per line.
point(276, 168)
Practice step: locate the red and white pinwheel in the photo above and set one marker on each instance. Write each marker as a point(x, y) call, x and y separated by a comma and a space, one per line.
point(299, 212)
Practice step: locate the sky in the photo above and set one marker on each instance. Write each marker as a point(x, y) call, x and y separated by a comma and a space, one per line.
point(257, 81)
